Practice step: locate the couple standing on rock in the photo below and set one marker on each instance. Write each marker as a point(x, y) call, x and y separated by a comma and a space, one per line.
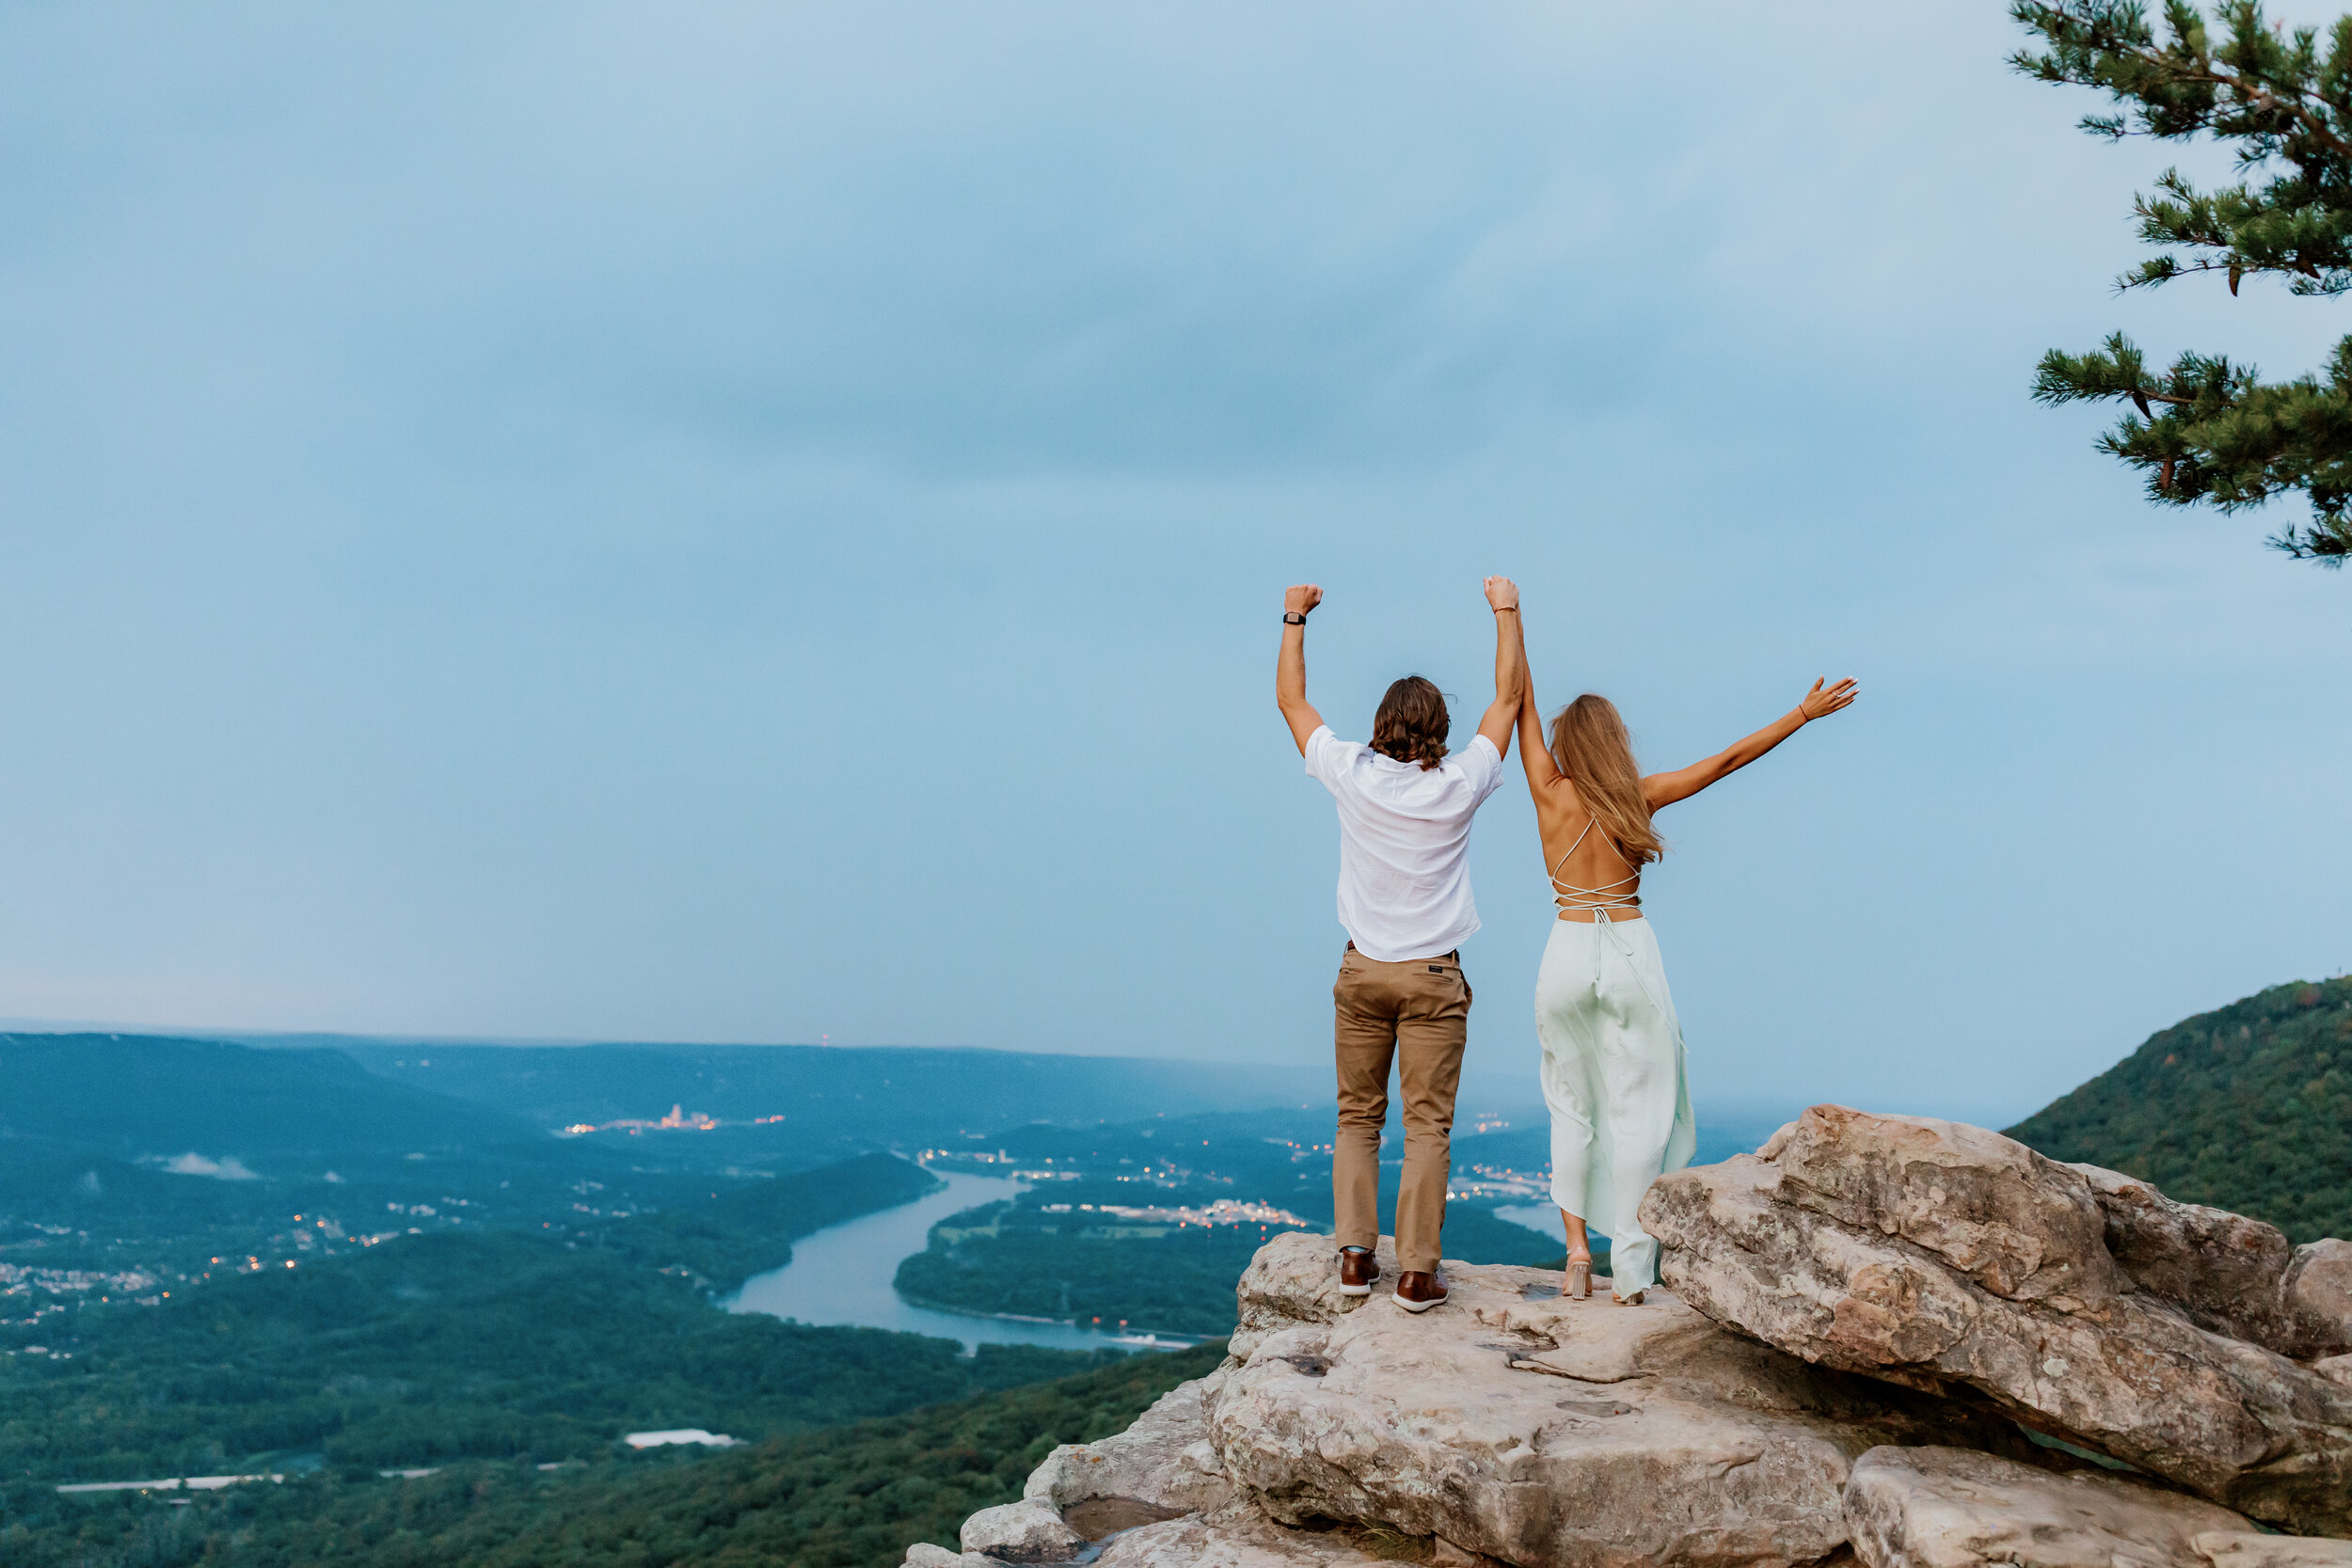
point(1612, 1064)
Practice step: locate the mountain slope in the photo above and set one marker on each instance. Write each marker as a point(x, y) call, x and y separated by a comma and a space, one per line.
point(2248, 1108)
point(144, 1094)
point(134, 1095)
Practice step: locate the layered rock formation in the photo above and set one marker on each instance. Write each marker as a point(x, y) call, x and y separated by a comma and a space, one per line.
point(1864, 1319)
point(1944, 1257)
point(1535, 1430)
point(1947, 1508)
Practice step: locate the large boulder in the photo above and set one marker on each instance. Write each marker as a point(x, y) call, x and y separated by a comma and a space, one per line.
point(1535, 1431)
point(2232, 1275)
point(1946, 1257)
point(1947, 1508)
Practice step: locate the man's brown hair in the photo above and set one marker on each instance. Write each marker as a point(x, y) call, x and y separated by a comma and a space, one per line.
point(1411, 725)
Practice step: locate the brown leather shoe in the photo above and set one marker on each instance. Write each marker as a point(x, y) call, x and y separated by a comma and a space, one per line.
point(1358, 1270)
point(1417, 1291)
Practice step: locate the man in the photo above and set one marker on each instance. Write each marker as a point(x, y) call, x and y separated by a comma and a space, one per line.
point(1405, 806)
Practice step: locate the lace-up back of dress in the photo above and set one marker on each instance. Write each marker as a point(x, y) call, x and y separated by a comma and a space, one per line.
point(1595, 901)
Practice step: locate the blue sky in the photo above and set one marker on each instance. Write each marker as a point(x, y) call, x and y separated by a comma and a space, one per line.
point(766, 522)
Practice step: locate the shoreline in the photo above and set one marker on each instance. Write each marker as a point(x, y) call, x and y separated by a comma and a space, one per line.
point(1173, 1340)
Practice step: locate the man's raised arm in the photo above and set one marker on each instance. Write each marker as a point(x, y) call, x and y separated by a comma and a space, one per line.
point(1502, 597)
point(1290, 669)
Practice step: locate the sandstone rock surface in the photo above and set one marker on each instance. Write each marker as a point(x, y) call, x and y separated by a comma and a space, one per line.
point(1158, 1491)
point(1946, 1508)
point(2273, 1551)
point(1164, 1460)
point(923, 1554)
point(1537, 1431)
point(1234, 1536)
point(1026, 1531)
point(1944, 1257)
point(1970, 1279)
point(2229, 1274)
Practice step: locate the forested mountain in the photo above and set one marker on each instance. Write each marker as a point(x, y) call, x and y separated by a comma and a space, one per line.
point(2248, 1108)
point(134, 1095)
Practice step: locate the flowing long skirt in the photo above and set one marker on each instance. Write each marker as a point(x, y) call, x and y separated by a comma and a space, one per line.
point(1613, 1076)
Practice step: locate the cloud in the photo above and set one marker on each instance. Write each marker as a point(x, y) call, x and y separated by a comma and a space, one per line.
point(567, 486)
point(228, 1168)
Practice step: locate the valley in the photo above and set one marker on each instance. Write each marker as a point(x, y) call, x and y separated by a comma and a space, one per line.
point(433, 1319)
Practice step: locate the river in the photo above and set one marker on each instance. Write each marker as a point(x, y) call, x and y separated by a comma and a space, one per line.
point(1544, 1218)
point(844, 1274)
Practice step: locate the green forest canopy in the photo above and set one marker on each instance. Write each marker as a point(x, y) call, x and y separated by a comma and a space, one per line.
point(2246, 1108)
point(480, 1343)
point(850, 1497)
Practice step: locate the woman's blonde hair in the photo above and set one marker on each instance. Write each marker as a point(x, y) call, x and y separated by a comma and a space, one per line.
point(1593, 752)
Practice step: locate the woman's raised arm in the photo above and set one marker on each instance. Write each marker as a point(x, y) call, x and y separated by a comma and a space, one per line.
point(1542, 773)
point(1664, 789)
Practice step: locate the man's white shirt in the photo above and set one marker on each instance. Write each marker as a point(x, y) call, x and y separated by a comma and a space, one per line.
point(1404, 890)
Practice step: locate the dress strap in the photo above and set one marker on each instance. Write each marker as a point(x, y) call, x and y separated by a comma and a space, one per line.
point(1595, 901)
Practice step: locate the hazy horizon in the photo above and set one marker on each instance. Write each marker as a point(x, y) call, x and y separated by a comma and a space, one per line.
point(1498, 1088)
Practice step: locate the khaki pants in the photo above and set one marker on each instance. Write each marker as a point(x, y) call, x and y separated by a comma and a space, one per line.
point(1417, 1014)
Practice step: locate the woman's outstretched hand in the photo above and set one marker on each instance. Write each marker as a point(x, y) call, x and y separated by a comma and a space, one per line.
point(1301, 599)
point(1502, 594)
point(1818, 703)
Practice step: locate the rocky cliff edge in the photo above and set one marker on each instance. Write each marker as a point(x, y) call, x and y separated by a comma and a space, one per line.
point(1904, 1341)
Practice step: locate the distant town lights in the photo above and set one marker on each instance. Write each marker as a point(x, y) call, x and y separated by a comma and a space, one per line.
point(680, 1120)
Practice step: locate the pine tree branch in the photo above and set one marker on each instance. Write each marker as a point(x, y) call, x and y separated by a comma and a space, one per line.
point(2207, 431)
point(2108, 44)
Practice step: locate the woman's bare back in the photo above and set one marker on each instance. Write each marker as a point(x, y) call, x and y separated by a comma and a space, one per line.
point(1589, 872)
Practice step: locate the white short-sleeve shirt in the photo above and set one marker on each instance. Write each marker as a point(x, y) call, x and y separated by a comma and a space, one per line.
point(1405, 889)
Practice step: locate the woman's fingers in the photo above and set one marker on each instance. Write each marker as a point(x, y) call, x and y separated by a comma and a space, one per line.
point(1825, 699)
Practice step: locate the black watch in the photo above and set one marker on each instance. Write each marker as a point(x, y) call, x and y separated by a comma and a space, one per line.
point(1293, 618)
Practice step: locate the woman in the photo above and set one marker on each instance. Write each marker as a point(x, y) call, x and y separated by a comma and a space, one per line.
point(1612, 1049)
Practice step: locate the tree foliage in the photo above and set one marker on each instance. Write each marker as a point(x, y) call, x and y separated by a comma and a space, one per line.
point(2209, 428)
point(849, 1497)
point(2248, 1108)
point(478, 1344)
